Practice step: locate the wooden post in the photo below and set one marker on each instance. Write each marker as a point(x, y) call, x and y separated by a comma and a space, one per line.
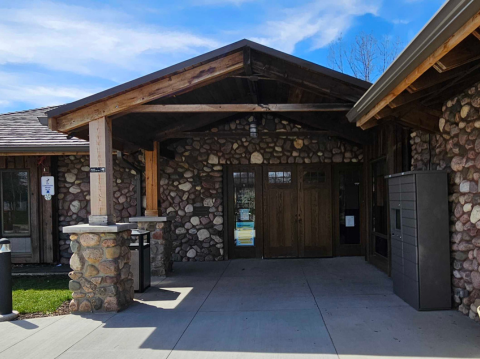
point(151, 180)
point(101, 172)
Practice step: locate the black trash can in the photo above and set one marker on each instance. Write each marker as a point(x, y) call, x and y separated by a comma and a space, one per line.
point(140, 259)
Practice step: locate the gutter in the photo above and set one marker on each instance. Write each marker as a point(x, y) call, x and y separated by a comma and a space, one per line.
point(41, 149)
point(138, 180)
point(446, 22)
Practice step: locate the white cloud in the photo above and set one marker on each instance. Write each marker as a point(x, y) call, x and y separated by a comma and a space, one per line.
point(322, 21)
point(400, 21)
point(97, 42)
point(25, 88)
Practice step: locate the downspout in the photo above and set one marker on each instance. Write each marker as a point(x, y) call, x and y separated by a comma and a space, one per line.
point(138, 180)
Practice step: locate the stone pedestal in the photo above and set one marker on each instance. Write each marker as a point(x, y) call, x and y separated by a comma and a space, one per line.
point(101, 280)
point(160, 242)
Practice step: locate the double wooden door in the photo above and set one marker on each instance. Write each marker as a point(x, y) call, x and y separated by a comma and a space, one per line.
point(297, 211)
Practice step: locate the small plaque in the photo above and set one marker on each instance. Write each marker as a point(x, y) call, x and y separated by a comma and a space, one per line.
point(97, 169)
point(48, 185)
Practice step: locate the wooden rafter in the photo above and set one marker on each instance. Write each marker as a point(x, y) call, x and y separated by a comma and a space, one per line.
point(452, 41)
point(466, 51)
point(189, 79)
point(311, 107)
point(313, 82)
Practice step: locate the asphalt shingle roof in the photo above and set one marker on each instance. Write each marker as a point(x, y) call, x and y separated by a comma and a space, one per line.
point(22, 131)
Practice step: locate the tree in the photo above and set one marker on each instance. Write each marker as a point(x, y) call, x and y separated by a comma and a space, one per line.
point(366, 57)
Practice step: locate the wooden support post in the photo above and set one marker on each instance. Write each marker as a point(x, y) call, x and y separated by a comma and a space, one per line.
point(101, 172)
point(151, 180)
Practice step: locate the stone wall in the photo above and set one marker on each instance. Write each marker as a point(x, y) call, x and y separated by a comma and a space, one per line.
point(457, 150)
point(74, 194)
point(101, 279)
point(428, 152)
point(195, 178)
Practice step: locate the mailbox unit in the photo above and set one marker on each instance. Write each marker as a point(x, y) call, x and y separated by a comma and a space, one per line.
point(420, 245)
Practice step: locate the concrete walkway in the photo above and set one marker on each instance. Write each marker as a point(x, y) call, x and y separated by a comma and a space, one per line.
point(312, 308)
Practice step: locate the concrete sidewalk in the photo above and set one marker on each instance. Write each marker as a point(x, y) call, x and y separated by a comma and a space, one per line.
point(312, 308)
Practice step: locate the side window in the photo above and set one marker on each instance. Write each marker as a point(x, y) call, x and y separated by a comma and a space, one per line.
point(15, 203)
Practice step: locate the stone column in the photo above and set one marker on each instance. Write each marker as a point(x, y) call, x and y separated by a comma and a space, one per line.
point(101, 280)
point(160, 242)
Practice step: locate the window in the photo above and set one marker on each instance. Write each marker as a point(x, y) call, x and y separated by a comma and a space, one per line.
point(15, 203)
point(244, 199)
point(315, 177)
point(279, 177)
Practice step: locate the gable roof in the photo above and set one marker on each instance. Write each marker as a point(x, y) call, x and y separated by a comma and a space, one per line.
point(22, 132)
point(207, 57)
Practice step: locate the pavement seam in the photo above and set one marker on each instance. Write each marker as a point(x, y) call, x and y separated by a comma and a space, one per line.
point(320, 312)
point(39, 330)
point(86, 335)
point(198, 310)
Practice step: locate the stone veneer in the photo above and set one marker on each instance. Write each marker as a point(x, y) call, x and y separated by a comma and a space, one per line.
point(457, 150)
point(160, 244)
point(101, 279)
point(195, 177)
point(74, 195)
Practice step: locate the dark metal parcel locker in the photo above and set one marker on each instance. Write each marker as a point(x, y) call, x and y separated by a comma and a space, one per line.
point(420, 245)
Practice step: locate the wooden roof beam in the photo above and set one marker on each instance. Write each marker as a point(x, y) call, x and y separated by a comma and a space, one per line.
point(191, 78)
point(247, 65)
point(311, 107)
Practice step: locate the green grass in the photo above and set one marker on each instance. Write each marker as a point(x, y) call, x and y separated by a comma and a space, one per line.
point(39, 294)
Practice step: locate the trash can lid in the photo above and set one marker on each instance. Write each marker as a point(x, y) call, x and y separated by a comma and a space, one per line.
point(136, 232)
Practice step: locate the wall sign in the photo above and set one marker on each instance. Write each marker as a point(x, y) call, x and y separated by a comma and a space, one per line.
point(48, 187)
point(97, 169)
point(349, 221)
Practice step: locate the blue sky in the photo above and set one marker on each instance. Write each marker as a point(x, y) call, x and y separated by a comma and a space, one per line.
point(53, 52)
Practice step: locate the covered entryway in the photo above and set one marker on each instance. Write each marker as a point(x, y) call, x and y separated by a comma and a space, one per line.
point(247, 152)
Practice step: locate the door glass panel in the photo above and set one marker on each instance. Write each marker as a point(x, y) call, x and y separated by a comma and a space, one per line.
point(244, 201)
point(279, 177)
point(349, 206)
point(15, 203)
point(314, 177)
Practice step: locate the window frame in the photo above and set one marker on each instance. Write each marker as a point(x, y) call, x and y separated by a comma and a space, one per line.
point(29, 205)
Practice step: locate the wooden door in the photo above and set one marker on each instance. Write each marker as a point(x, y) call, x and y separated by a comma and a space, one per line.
point(315, 210)
point(280, 212)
